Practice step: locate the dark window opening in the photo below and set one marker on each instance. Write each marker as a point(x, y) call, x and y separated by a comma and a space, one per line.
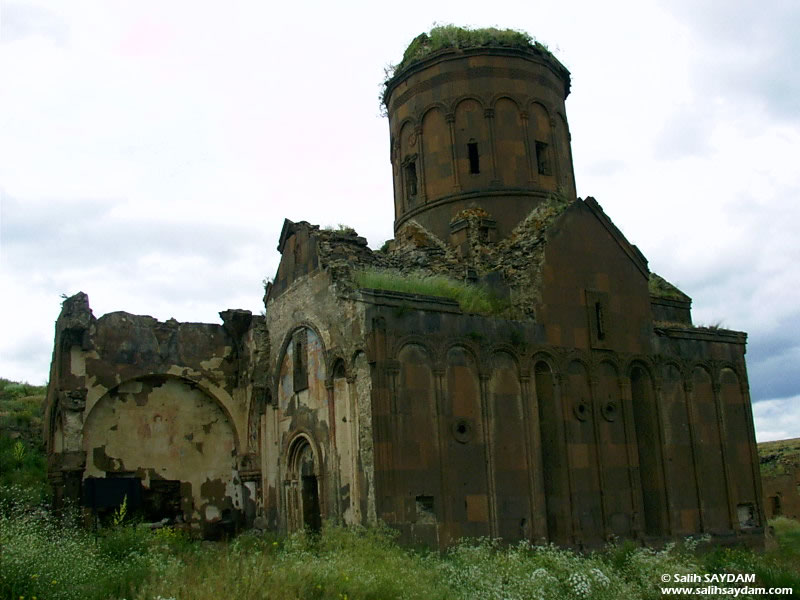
point(312, 518)
point(163, 500)
point(600, 318)
point(300, 361)
point(338, 370)
point(425, 509)
point(474, 159)
point(542, 158)
point(775, 501)
point(411, 181)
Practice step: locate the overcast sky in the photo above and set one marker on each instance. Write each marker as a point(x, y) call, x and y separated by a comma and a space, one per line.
point(150, 150)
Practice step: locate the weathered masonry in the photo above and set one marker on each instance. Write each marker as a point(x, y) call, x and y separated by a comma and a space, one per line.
point(578, 403)
point(780, 476)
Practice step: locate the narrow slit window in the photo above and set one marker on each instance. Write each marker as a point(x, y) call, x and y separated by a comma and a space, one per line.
point(600, 318)
point(300, 361)
point(411, 181)
point(474, 159)
point(542, 158)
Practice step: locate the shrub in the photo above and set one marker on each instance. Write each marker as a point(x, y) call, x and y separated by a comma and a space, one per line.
point(50, 557)
point(24, 469)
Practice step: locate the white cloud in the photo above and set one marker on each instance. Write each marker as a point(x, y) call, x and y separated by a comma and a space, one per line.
point(150, 152)
point(777, 419)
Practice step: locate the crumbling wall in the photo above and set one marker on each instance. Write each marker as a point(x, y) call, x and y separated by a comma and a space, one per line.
point(165, 428)
point(782, 495)
point(317, 395)
point(123, 386)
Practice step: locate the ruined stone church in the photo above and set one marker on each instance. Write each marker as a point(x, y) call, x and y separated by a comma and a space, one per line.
point(572, 402)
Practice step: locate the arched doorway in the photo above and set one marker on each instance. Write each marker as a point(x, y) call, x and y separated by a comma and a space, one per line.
point(302, 491)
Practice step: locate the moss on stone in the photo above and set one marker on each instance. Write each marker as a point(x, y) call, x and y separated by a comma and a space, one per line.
point(661, 288)
point(470, 297)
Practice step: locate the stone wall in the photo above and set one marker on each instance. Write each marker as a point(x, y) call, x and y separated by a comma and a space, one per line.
point(166, 403)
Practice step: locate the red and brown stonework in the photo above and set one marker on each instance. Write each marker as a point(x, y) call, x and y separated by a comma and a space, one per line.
point(588, 408)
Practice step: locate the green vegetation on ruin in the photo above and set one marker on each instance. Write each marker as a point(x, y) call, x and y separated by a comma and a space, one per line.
point(472, 298)
point(442, 37)
point(779, 458)
point(661, 288)
point(340, 228)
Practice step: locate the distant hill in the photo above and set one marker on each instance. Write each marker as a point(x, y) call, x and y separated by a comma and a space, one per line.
point(21, 411)
point(22, 452)
point(779, 458)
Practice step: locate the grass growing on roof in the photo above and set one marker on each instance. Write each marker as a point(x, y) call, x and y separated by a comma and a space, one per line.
point(471, 298)
point(662, 288)
point(453, 36)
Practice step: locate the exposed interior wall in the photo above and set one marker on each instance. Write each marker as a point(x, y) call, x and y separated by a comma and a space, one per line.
point(166, 403)
point(165, 429)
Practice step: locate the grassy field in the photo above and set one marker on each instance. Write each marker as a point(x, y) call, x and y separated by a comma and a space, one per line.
point(43, 556)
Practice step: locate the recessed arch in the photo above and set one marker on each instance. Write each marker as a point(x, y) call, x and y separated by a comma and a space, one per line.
point(415, 340)
point(497, 97)
point(640, 363)
point(473, 149)
point(167, 431)
point(433, 106)
point(649, 447)
point(511, 351)
point(548, 359)
point(436, 151)
point(679, 449)
point(287, 339)
point(511, 437)
point(739, 449)
point(303, 484)
point(513, 165)
point(554, 454)
point(464, 345)
point(338, 369)
point(285, 378)
point(190, 383)
point(464, 443)
point(457, 101)
point(411, 122)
